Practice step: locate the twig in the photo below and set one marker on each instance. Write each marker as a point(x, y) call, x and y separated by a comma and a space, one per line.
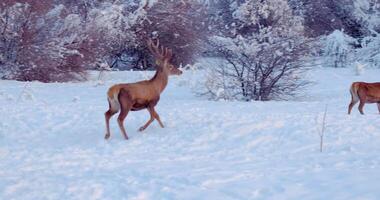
point(321, 131)
point(100, 74)
point(22, 92)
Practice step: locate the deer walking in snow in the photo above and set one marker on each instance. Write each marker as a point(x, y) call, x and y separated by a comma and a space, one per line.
point(365, 93)
point(141, 95)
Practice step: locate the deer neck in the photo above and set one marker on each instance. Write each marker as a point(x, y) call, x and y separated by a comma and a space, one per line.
point(160, 80)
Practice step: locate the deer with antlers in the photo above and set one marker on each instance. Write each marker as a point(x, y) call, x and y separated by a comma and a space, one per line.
point(144, 94)
point(365, 93)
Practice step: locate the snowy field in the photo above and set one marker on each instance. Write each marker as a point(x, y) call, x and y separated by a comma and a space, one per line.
point(52, 144)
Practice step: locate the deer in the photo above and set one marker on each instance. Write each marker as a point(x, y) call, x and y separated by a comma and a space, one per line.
point(143, 94)
point(365, 93)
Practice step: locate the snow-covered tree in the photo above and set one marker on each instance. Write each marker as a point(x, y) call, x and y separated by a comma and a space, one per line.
point(180, 25)
point(118, 31)
point(368, 13)
point(34, 46)
point(109, 31)
point(55, 42)
point(369, 54)
point(322, 17)
point(221, 16)
point(263, 60)
point(338, 49)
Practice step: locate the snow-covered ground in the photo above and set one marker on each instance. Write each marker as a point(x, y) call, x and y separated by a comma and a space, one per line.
point(52, 144)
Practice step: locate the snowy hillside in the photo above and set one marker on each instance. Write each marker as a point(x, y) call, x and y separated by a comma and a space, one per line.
point(52, 144)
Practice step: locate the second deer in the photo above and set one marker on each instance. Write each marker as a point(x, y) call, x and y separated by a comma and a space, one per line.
point(365, 93)
point(144, 94)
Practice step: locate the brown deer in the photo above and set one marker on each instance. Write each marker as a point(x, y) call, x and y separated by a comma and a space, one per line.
point(144, 94)
point(365, 93)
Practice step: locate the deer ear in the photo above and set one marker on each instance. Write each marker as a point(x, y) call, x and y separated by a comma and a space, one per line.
point(169, 53)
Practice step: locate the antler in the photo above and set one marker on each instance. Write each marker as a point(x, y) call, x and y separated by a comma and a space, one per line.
point(160, 53)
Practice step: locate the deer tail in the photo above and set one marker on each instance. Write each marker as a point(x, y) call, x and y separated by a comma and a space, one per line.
point(113, 100)
point(354, 91)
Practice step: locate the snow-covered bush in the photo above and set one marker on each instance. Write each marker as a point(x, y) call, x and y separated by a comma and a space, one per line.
point(264, 60)
point(338, 49)
point(368, 13)
point(341, 50)
point(34, 46)
point(57, 42)
point(369, 54)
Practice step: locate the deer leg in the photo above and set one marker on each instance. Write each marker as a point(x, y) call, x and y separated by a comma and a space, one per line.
point(156, 116)
point(108, 116)
point(361, 105)
point(150, 109)
point(378, 107)
point(126, 105)
point(111, 111)
point(120, 120)
point(353, 102)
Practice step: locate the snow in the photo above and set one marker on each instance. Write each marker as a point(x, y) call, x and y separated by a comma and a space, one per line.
point(52, 144)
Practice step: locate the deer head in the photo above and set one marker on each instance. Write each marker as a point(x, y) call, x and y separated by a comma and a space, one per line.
point(163, 57)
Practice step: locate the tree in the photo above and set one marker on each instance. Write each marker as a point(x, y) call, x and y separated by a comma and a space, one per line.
point(338, 47)
point(180, 25)
point(117, 31)
point(34, 46)
point(367, 12)
point(109, 32)
point(264, 60)
point(369, 54)
point(57, 42)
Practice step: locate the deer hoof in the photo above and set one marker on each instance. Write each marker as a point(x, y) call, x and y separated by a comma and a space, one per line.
point(107, 136)
point(141, 129)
